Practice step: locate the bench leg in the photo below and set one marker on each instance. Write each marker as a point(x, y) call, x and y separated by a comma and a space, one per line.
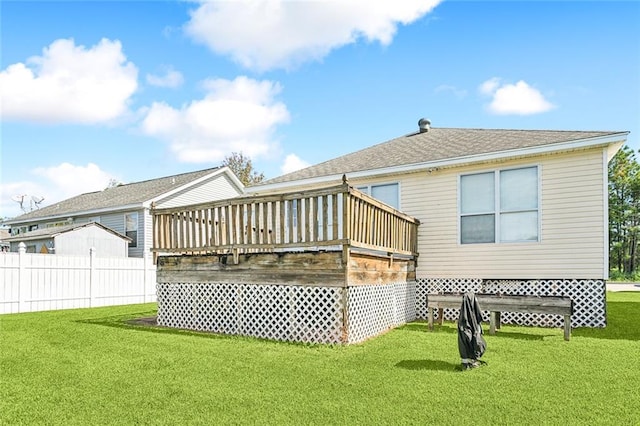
point(493, 317)
point(441, 316)
point(430, 318)
point(567, 327)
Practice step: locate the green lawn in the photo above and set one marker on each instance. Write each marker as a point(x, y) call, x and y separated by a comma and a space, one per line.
point(90, 367)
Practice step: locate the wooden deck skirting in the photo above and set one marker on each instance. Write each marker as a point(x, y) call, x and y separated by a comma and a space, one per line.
point(325, 269)
point(334, 218)
point(496, 304)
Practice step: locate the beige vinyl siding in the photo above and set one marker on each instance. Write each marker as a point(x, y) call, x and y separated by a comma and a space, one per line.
point(572, 222)
point(219, 187)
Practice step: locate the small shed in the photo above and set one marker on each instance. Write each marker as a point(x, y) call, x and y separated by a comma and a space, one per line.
point(74, 239)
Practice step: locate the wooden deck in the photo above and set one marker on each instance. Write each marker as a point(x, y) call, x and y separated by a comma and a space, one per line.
point(337, 218)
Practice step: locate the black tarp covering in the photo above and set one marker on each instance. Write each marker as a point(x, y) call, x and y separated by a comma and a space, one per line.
point(471, 343)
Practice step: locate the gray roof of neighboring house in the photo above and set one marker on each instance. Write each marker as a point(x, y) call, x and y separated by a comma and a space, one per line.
point(435, 145)
point(50, 232)
point(122, 195)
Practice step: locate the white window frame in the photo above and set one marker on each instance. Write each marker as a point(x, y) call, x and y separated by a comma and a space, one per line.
point(497, 211)
point(366, 188)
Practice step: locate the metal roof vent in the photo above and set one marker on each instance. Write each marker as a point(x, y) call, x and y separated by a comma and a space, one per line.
point(424, 124)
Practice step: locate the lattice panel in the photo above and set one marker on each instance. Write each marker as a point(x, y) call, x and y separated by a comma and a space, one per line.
point(405, 305)
point(589, 299)
point(373, 309)
point(443, 285)
point(318, 314)
point(290, 313)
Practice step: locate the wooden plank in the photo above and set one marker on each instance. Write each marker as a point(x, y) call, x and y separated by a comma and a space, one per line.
point(311, 246)
point(265, 224)
point(325, 217)
point(174, 230)
point(194, 229)
point(314, 220)
point(289, 212)
point(320, 268)
point(307, 218)
point(272, 234)
point(334, 208)
point(281, 214)
point(249, 225)
point(233, 228)
point(299, 224)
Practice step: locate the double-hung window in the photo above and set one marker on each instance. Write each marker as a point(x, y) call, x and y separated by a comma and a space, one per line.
point(500, 206)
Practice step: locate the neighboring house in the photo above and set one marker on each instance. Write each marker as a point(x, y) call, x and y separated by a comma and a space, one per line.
point(73, 239)
point(124, 209)
point(4, 234)
point(513, 211)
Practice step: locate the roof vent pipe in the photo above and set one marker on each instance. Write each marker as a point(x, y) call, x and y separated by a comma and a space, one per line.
point(424, 124)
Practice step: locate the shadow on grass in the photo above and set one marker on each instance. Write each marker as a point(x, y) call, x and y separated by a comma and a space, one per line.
point(429, 364)
point(452, 328)
point(145, 321)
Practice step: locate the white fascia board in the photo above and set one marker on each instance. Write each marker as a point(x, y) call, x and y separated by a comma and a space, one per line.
point(616, 138)
point(129, 207)
point(222, 170)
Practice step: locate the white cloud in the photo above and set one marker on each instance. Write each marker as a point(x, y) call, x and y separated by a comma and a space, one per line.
point(519, 98)
point(55, 184)
point(171, 79)
point(489, 86)
point(235, 116)
point(457, 92)
point(69, 83)
point(271, 34)
point(292, 163)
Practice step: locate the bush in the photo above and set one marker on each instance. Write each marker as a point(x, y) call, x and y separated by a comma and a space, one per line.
point(616, 275)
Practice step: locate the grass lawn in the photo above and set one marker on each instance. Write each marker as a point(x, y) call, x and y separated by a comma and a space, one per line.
point(91, 367)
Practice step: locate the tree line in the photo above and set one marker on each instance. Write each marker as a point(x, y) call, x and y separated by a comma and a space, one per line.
point(624, 214)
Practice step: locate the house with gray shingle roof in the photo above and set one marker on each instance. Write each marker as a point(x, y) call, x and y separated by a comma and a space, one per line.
point(124, 209)
point(500, 211)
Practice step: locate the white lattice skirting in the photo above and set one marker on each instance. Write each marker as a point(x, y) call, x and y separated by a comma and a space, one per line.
point(589, 298)
point(287, 312)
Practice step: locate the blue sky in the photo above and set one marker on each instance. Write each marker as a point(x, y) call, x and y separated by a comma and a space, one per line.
point(93, 91)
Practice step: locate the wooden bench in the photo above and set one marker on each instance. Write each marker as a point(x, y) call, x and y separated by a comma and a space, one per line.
point(495, 304)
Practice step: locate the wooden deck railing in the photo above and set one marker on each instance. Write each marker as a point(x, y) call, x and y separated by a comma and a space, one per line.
point(335, 216)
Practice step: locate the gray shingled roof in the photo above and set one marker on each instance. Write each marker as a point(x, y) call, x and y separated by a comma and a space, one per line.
point(436, 145)
point(123, 195)
point(57, 230)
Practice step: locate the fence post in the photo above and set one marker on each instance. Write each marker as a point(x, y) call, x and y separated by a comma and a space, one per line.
point(22, 278)
point(92, 277)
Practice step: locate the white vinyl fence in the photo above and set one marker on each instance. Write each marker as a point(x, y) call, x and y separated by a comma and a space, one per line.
point(43, 282)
